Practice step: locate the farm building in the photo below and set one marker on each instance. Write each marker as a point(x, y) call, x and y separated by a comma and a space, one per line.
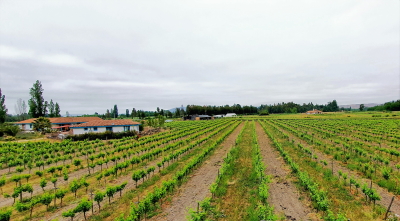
point(218, 116)
point(197, 117)
point(230, 115)
point(105, 125)
point(315, 111)
point(57, 122)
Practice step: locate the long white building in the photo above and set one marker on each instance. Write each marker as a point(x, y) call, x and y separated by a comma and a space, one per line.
point(105, 125)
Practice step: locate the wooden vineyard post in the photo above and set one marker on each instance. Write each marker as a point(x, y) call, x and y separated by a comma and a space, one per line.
point(388, 209)
point(332, 166)
point(198, 205)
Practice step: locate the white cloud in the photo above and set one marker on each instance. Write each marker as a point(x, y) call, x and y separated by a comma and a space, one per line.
point(61, 60)
point(7, 52)
point(145, 54)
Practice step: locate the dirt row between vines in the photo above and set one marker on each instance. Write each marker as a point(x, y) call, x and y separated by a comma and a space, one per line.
point(385, 195)
point(283, 194)
point(197, 187)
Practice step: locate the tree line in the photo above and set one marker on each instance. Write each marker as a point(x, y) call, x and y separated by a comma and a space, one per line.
point(388, 106)
point(38, 107)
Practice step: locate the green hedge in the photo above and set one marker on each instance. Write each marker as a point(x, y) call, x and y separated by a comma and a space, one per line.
point(102, 136)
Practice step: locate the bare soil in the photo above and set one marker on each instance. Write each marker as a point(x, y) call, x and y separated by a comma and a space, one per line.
point(283, 194)
point(197, 187)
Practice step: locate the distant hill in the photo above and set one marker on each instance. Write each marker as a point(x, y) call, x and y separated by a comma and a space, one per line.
point(356, 106)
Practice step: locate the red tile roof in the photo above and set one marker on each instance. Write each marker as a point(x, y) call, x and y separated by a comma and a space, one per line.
point(103, 123)
point(61, 120)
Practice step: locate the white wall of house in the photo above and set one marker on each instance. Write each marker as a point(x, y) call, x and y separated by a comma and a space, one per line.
point(230, 115)
point(25, 127)
point(103, 129)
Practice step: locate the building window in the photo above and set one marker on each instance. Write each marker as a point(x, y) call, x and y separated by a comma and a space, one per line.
point(30, 125)
point(85, 129)
point(108, 128)
point(127, 128)
point(94, 128)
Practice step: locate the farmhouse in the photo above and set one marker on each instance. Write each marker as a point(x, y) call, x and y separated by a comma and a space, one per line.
point(218, 116)
point(315, 111)
point(99, 126)
point(57, 122)
point(197, 117)
point(230, 115)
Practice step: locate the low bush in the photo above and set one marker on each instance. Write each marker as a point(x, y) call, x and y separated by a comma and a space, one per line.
point(102, 136)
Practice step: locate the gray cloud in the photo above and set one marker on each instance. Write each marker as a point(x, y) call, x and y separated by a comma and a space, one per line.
point(145, 54)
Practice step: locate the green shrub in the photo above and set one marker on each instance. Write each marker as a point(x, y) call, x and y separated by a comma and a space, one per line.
point(102, 136)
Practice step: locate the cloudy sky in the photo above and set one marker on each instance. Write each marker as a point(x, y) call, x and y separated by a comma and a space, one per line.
point(90, 55)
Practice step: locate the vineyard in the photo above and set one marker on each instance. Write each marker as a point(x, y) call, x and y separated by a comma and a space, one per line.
point(254, 168)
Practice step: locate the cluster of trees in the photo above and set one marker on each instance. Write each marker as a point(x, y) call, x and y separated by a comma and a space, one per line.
point(291, 107)
point(214, 110)
point(388, 106)
point(38, 107)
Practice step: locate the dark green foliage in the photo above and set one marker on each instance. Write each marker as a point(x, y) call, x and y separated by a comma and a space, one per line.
point(102, 136)
point(42, 124)
point(69, 213)
point(388, 106)
point(57, 110)
point(115, 112)
point(36, 104)
point(5, 215)
point(83, 206)
point(3, 109)
point(10, 130)
point(99, 197)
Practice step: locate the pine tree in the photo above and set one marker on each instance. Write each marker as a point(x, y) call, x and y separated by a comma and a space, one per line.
point(51, 109)
point(115, 111)
point(57, 110)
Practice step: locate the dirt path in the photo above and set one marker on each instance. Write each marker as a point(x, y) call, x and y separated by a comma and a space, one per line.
point(385, 195)
point(197, 188)
point(283, 195)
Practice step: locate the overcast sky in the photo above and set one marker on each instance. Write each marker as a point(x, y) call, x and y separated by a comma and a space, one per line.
point(90, 55)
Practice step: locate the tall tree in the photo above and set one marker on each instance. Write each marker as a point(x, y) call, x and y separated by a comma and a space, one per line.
point(108, 115)
point(115, 111)
point(51, 109)
point(362, 107)
point(3, 109)
point(127, 112)
point(20, 109)
point(36, 104)
point(133, 113)
point(57, 110)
